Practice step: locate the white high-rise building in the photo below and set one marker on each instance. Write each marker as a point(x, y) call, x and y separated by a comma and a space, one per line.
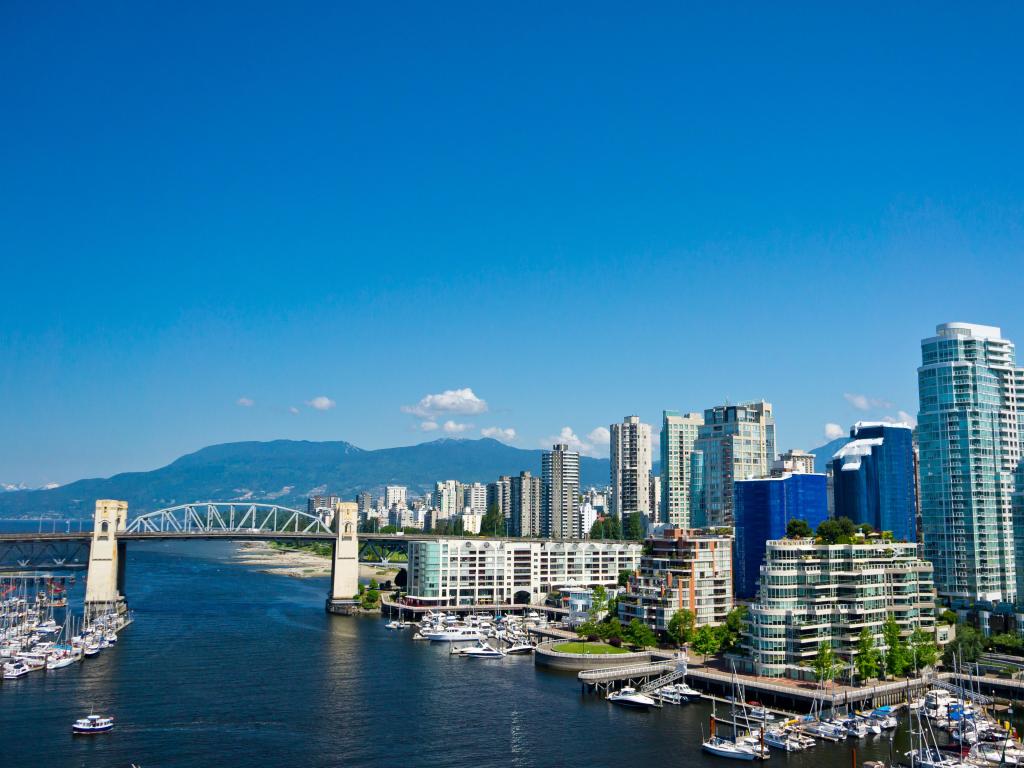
point(630, 466)
point(680, 468)
point(447, 501)
point(395, 495)
point(561, 490)
point(474, 497)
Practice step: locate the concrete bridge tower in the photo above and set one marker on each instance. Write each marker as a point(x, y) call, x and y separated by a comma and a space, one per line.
point(105, 579)
point(345, 565)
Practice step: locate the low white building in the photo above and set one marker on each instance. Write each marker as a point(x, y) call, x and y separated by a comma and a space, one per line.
point(473, 571)
point(471, 521)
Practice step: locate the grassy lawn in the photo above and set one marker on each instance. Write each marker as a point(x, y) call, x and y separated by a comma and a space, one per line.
point(595, 648)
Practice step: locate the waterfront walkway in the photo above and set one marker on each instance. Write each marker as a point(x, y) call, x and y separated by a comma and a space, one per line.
point(416, 611)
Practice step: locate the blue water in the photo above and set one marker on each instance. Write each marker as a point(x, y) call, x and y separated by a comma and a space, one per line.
point(226, 666)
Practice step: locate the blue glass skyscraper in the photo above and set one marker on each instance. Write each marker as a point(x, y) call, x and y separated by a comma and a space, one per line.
point(762, 509)
point(873, 478)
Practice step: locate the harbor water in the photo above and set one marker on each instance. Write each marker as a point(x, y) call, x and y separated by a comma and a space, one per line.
point(231, 667)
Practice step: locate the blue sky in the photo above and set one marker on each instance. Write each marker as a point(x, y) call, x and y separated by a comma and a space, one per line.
point(572, 213)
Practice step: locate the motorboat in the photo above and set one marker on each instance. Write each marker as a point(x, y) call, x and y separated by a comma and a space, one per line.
point(777, 738)
point(670, 695)
point(482, 651)
point(93, 724)
point(519, 648)
point(631, 697)
point(856, 727)
point(725, 748)
point(933, 758)
point(394, 625)
point(15, 669)
point(92, 648)
point(757, 712)
point(686, 691)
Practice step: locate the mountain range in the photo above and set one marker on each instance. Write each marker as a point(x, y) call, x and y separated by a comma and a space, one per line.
point(287, 471)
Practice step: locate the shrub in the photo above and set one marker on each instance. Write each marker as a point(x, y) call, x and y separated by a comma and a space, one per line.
point(615, 642)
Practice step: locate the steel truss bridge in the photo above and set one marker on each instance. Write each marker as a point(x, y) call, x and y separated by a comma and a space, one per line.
point(202, 520)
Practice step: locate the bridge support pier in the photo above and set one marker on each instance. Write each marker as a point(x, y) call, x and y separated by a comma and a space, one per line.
point(345, 562)
point(104, 584)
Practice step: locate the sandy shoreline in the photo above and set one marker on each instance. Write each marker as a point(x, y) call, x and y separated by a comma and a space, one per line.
point(299, 565)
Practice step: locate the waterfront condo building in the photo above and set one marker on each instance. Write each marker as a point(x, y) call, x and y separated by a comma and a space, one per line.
point(475, 572)
point(737, 442)
point(683, 569)
point(527, 495)
point(763, 509)
point(681, 468)
point(630, 467)
point(560, 475)
point(969, 440)
point(873, 478)
point(811, 593)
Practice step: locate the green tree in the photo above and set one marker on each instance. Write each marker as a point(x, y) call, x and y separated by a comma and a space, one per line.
point(598, 601)
point(732, 630)
point(923, 651)
point(839, 530)
point(389, 529)
point(639, 634)
point(611, 628)
point(633, 529)
point(624, 578)
point(493, 523)
point(825, 664)
point(866, 660)
point(588, 628)
point(681, 625)
point(966, 646)
point(798, 529)
point(948, 617)
point(706, 642)
point(896, 653)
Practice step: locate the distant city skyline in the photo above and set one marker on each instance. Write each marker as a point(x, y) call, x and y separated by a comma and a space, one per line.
point(387, 228)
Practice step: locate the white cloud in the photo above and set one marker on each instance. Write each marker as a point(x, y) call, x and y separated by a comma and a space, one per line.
point(865, 403)
point(454, 428)
point(833, 431)
point(448, 402)
point(595, 445)
point(321, 403)
point(428, 426)
point(505, 435)
point(245, 402)
point(901, 417)
point(293, 409)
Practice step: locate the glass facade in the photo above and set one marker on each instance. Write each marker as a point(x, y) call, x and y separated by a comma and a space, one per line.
point(873, 479)
point(968, 439)
point(763, 508)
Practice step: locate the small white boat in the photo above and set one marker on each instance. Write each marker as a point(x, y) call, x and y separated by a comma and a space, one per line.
point(394, 625)
point(631, 697)
point(15, 669)
point(93, 724)
point(760, 713)
point(92, 648)
point(725, 748)
point(779, 739)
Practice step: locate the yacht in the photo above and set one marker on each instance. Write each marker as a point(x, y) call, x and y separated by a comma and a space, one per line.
point(453, 635)
point(725, 748)
point(93, 724)
point(59, 661)
point(757, 712)
point(631, 697)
